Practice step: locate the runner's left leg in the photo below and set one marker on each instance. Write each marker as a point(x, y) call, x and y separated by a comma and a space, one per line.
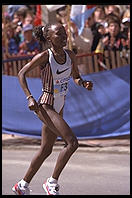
point(58, 126)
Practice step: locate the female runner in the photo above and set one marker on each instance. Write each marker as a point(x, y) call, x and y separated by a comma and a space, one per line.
point(57, 65)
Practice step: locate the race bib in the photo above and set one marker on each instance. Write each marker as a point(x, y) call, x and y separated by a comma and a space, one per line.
point(61, 86)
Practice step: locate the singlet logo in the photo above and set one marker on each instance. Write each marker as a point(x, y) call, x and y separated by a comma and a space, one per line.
point(59, 72)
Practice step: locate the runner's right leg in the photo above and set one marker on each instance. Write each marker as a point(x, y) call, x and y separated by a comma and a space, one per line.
point(47, 142)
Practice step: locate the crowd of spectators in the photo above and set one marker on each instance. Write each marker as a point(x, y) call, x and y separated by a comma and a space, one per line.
point(17, 31)
point(108, 28)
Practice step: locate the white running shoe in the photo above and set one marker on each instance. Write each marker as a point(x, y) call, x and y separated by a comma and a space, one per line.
point(51, 188)
point(20, 190)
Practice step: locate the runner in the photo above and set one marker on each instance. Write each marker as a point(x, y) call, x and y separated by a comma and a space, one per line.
point(57, 65)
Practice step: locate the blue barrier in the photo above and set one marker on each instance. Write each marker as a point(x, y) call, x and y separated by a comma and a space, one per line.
point(103, 112)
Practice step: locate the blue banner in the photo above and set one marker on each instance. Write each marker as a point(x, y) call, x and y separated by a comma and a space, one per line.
point(102, 112)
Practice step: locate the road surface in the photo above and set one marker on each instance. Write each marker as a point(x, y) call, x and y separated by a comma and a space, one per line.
point(87, 173)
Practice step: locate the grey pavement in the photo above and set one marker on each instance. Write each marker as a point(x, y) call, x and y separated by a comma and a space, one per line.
point(99, 167)
point(87, 173)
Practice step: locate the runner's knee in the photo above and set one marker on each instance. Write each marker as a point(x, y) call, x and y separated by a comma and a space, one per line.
point(73, 144)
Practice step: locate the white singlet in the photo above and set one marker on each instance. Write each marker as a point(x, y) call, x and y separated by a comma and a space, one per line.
point(61, 76)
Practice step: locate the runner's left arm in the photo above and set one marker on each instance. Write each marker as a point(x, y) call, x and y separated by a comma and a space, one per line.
point(75, 73)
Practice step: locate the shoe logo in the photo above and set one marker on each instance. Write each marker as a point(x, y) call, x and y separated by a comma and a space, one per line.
point(59, 72)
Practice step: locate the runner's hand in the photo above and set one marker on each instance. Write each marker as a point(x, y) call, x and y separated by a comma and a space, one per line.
point(88, 84)
point(32, 104)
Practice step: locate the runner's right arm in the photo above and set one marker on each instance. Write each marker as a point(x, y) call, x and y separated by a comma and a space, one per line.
point(39, 59)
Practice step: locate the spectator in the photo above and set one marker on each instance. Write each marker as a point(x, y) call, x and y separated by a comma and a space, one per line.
point(16, 19)
point(7, 18)
point(110, 17)
point(115, 9)
point(128, 39)
point(99, 15)
point(3, 39)
point(13, 46)
point(98, 34)
point(29, 18)
point(18, 33)
point(13, 8)
point(32, 8)
point(126, 22)
point(126, 16)
point(29, 45)
point(61, 15)
point(98, 27)
point(125, 40)
point(84, 41)
point(112, 40)
point(21, 14)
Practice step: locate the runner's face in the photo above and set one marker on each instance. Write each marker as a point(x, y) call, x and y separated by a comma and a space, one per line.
point(58, 36)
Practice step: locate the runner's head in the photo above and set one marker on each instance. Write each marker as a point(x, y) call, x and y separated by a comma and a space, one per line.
point(55, 34)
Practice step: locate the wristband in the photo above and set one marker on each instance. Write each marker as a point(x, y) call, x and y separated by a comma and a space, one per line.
point(81, 82)
point(84, 81)
point(29, 97)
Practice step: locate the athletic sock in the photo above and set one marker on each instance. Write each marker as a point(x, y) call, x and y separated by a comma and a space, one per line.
point(23, 183)
point(52, 180)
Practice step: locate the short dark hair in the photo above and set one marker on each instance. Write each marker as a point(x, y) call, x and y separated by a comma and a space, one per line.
point(112, 18)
